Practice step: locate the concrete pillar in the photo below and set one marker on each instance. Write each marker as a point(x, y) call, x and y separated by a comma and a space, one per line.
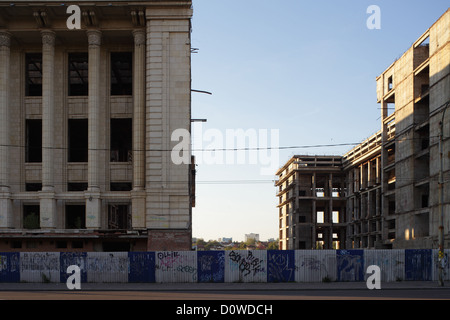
point(362, 178)
point(92, 195)
point(377, 170)
point(314, 212)
point(138, 194)
point(5, 196)
point(330, 209)
point(47, 195)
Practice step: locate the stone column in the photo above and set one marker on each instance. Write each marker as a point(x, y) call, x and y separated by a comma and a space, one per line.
point(5, 197)
point(92, 195)
point(47, 195)
point(138, 193)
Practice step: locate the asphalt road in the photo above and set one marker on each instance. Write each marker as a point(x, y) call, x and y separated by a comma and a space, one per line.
point(226, 291)
point(400, 294)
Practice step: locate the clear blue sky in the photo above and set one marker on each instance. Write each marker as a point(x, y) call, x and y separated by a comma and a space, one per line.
point(305, 68)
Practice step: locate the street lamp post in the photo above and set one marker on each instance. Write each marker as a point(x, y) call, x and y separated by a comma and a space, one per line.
point(441, 255)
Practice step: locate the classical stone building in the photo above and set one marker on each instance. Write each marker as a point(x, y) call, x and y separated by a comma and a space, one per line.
point(396, 187)
point(86, 117)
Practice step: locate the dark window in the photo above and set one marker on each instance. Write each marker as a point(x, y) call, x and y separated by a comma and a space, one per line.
point(33, 140)
point(121, 73)
point(78, 74)
point(77, 244)
point(61, 244)
point(121, 186)
point(121, 140)
point(32, 186)
point(33, 74)
point(424, 200)
point(425, 143)
point(302, 245)
point(75, 217)
point(78, 140)
point(16, 244)
point(77, 186)
point(31, 217)
point(390, 83)
point(119, 217)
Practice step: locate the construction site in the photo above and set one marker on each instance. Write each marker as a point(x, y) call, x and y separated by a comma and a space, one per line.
point(391, 190)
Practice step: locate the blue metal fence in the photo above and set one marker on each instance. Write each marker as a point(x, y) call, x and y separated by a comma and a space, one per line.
point(9, 267)
point(221, 266)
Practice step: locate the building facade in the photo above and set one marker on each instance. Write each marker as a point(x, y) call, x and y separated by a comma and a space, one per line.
point(414, 95)
point(311, 203)
point(86, 117)
point(362, 167)
point(397, 181)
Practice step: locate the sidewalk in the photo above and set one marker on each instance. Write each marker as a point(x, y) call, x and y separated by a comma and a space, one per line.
point(402, 285)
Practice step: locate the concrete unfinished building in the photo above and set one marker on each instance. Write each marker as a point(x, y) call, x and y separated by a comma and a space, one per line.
point(311, 203)
point(414, 94)
point(86, 116)
point(397, 181)
point(362, 167)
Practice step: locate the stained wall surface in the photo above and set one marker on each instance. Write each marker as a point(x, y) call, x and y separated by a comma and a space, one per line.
point(222, 266)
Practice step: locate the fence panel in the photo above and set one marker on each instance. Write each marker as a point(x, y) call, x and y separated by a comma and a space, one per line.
point(223, 266)
point(39, 267)
point(246, 266)
point(315, 265)
point(390, 261)
point(435, 262)
point(141, 267)
point(280, 266)
point(107, 267)
point(9, 267)
point(176, 266)
point(350, 265)
point(418, 264)
point(211, 266)
point(73, 258)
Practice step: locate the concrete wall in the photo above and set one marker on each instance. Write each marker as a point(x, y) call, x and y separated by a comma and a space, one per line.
point(221, 266)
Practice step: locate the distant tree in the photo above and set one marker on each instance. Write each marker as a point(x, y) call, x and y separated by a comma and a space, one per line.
point(250, 242)
point(242, 245)
point(273, 245)
point(210, 244)
point(200, 242)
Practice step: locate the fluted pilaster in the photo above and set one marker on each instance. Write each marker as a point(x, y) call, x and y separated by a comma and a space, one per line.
point(138, 194)
point(5, 200)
